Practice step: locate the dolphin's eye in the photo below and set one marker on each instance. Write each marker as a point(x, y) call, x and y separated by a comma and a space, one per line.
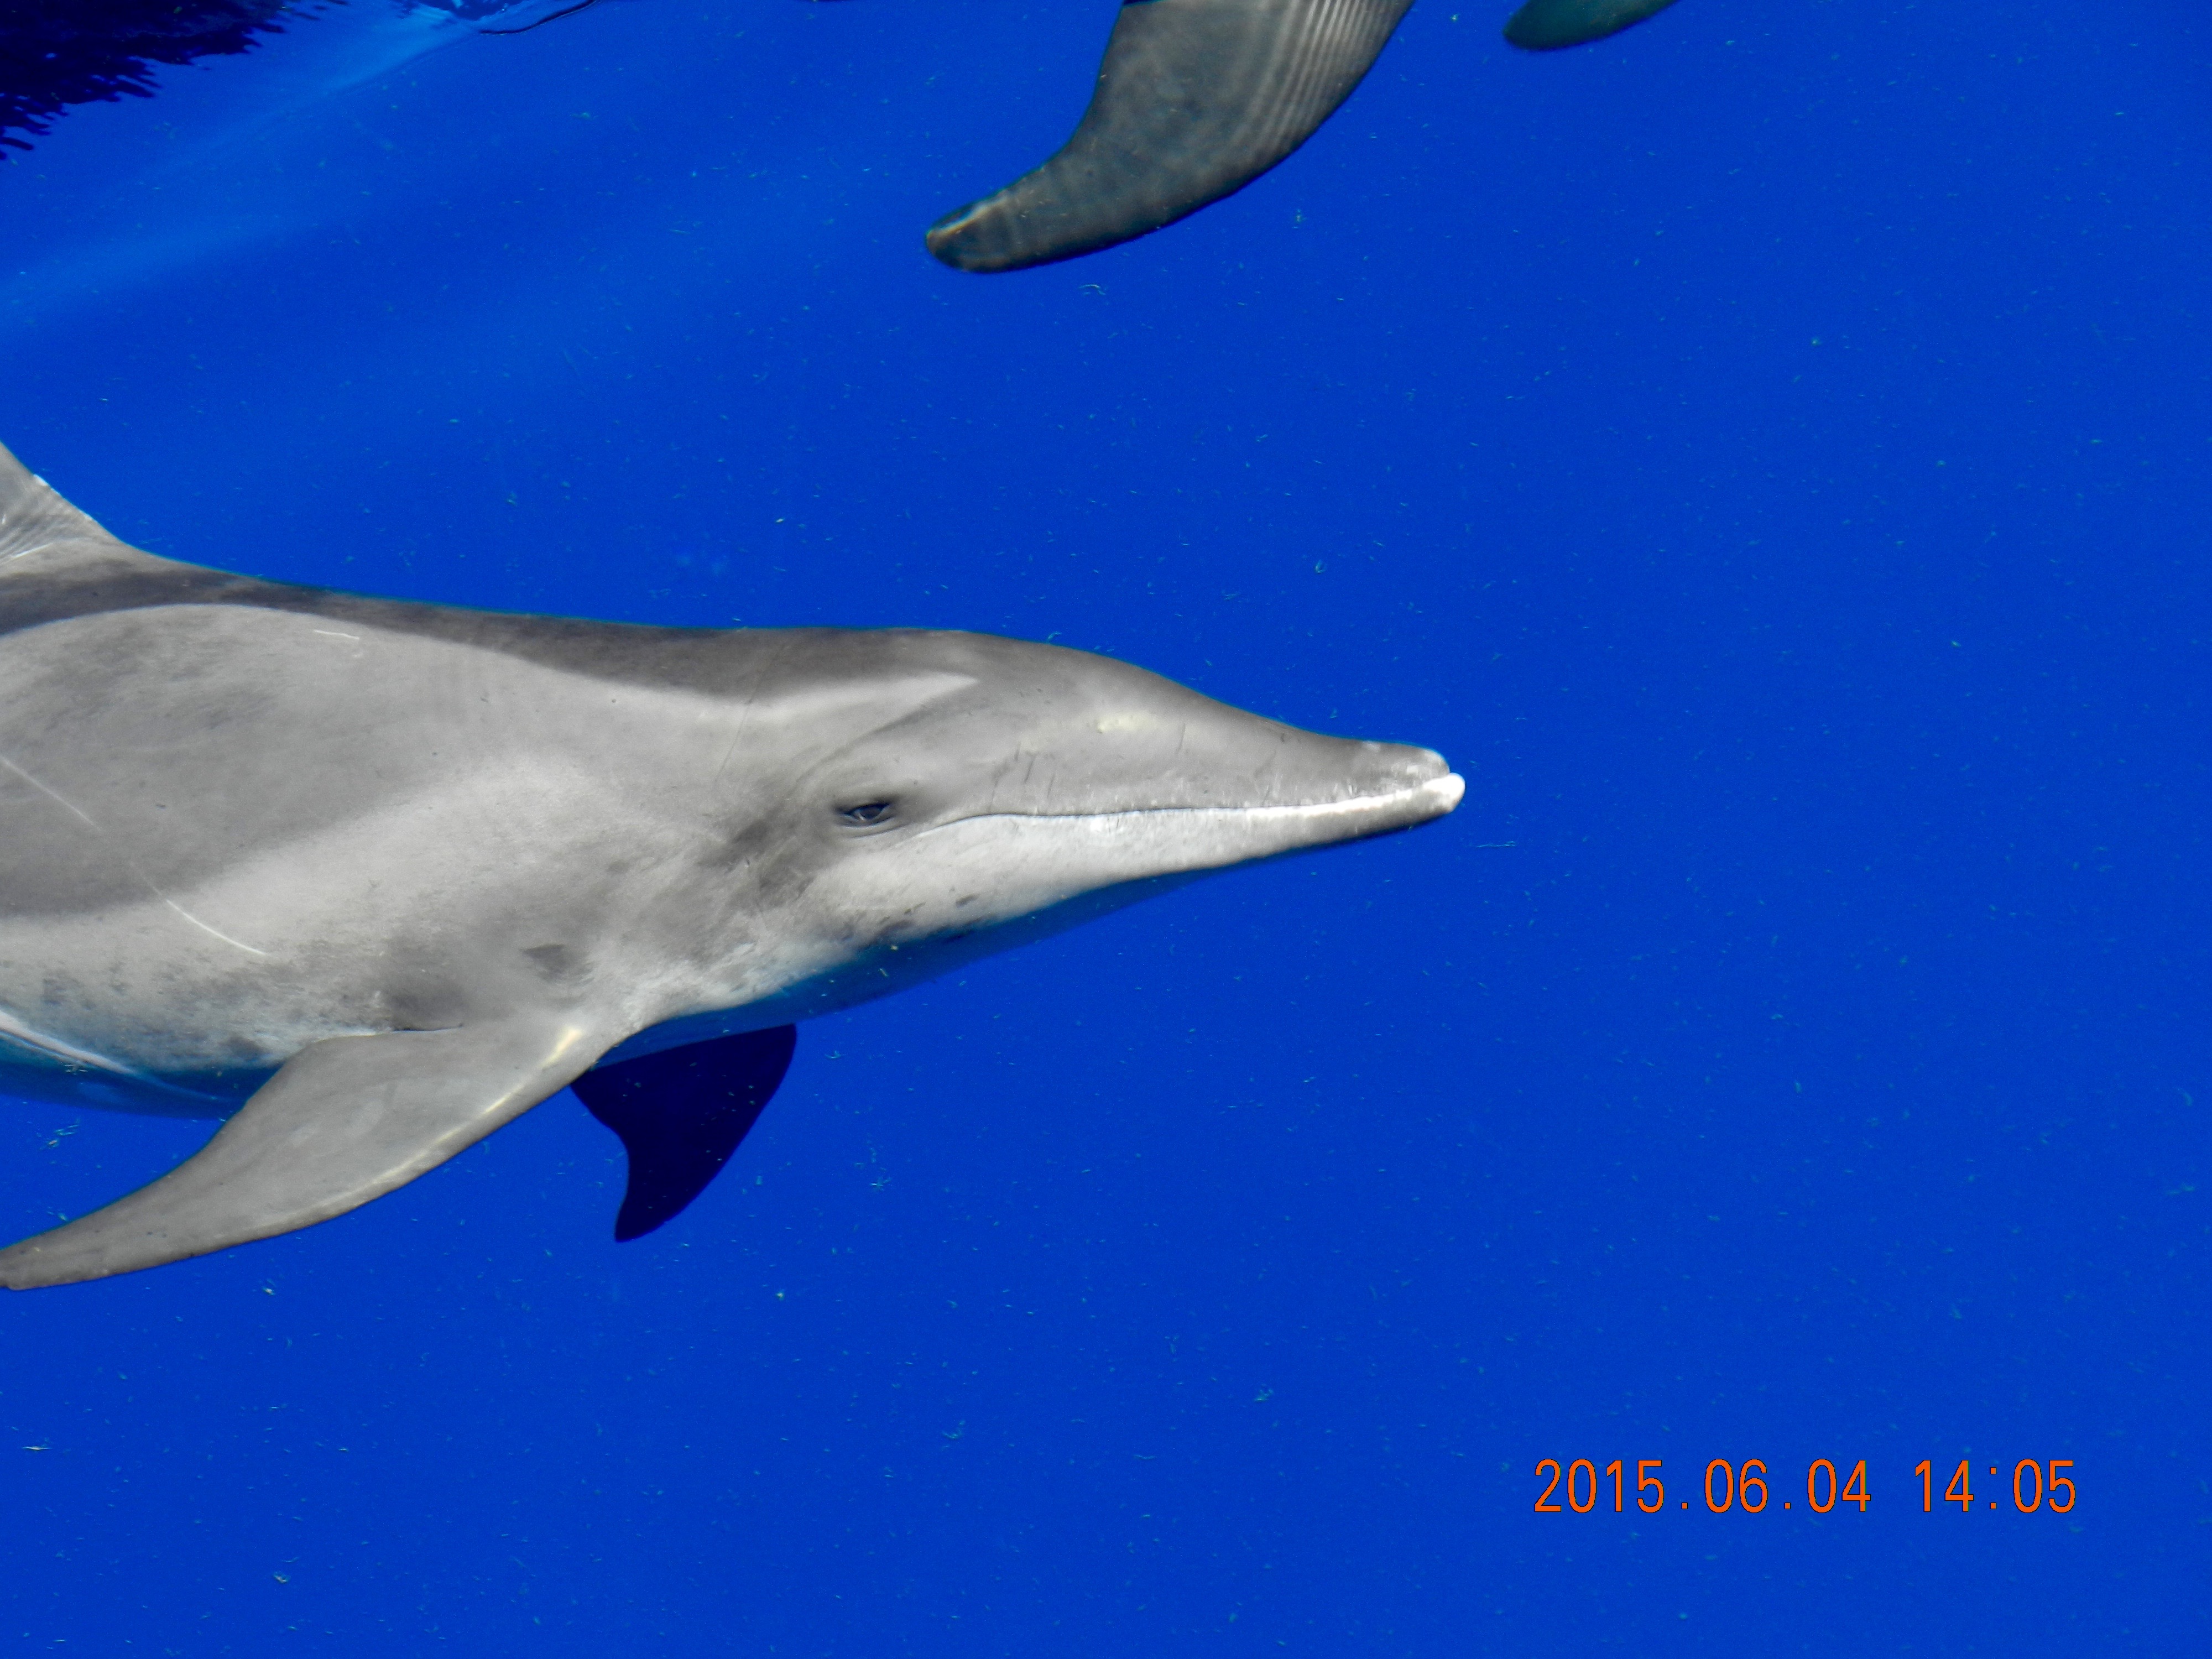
point(867, 812)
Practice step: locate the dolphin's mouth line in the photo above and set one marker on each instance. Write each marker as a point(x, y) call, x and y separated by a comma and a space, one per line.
point(1445, 791)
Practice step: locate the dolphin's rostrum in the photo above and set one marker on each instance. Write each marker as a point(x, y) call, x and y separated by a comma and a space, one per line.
point(390, 874)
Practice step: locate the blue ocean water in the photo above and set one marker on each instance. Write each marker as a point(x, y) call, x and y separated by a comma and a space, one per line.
point(1769, 453)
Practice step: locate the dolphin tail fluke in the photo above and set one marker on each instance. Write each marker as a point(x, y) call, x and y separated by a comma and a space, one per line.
point(345, 1120)
point(33, 515)
point(681, 1112)
point(1195, 100)
point(1550, 25)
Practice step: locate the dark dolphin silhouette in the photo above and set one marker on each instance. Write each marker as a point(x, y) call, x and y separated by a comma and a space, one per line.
point(1549, 25)
point(55, 53)
point(83, 52)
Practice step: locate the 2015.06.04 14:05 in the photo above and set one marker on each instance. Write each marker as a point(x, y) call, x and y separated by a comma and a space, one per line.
point(1727, 1486)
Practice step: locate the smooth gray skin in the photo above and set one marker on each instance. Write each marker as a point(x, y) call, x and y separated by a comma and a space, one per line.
point(400, 872)
point(1195, 100)
point(1550, 25)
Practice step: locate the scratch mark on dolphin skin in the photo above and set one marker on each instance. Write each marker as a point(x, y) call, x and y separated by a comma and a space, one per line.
point(11, 1026)
point(71, 806)
point(745, 710)
point(333, 634)
point(51, 794)
point(213, 932)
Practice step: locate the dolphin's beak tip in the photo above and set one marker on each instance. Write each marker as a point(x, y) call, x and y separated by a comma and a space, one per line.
point(1446, 792)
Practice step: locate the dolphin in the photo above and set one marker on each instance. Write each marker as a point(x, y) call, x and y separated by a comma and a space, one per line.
point(1550, 25)
point(1195, 97)
point(1194, 101)
point(371, 879)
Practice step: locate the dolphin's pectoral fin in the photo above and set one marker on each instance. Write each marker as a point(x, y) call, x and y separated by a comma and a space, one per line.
point(346, 1120)
point(1196, 99)
point(1548, 25)
point(681, 1112)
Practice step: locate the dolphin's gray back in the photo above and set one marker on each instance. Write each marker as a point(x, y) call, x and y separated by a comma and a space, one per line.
point(57, 564)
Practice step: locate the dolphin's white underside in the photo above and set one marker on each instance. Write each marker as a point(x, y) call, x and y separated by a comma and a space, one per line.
point(293, 940)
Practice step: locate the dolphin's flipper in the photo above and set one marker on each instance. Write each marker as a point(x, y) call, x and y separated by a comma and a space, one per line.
point(1196, 99)
point(346, 1120)
point(681, 1112)
point(1548, 25)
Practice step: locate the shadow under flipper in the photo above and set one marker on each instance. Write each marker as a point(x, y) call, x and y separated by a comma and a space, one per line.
point(1195, 100)
point(681, 1112)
